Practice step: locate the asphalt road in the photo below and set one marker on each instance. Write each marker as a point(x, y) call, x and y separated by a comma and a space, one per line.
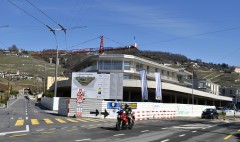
point(73, 130)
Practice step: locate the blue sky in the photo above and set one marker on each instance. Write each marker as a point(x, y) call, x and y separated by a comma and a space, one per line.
point(205, 29)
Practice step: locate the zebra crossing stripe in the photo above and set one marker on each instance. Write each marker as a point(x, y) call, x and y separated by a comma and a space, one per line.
point(82, 120)
point(71, 120)
point(48, 121)
point(60, 120)
point(92, 120)
point(34, 122)
point(19, 122)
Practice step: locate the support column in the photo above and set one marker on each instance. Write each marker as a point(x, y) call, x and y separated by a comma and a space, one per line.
point(129, 96)
point(182, 100)
point(188, 100)
point(213, 102)
point(220, 103)
point(205, 102)
point(175, 98)
point(196, 100)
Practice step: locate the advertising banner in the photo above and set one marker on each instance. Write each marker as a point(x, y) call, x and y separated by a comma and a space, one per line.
point(98, 85)
point(144, 84)
point(158, 86)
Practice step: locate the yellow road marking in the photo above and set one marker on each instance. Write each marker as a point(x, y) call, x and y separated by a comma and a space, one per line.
point(82, 120)
point(71, 120)
point(60, 120)
point(227, 137)
point(73, 130)
point(238, 130)
point(92, 120)
point(48, 121)
point(18, 135)
point(19, 122)
point(35, 122)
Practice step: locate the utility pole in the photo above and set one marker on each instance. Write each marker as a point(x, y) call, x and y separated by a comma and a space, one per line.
point(44, 79)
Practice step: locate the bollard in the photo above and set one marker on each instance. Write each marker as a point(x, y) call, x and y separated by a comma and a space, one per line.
point(224, 115)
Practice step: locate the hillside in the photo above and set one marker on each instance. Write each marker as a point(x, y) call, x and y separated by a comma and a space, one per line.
point(217, 73)
point(27, 66)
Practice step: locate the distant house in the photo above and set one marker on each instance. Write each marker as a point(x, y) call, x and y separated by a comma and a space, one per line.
point(237, 69)
point(206, 86)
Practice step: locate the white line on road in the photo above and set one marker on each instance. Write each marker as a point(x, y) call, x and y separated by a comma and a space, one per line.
point(165, 140)
point(13, 132)
point(27, 128)
point(194, 131)
point(39, 130)
point(26, 118)
point(163, 128)
point(182, 135)
point(83, 140)
point(144, 131)
point(52, 129)
point(26, 114)
point(118, 135)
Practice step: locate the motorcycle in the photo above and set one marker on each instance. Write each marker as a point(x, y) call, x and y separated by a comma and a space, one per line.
point(123, 121)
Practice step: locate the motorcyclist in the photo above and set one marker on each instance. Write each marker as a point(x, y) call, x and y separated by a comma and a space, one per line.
point(128, 111)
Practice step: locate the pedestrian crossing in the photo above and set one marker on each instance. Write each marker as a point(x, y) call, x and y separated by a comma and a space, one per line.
point(21, 122)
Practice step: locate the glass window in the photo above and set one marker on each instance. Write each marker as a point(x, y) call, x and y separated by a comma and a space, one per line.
point(116, 65)
point(110, 65)
point(223, 91)
point(100, 65)
point(107, 65)
point(148, 69)
point(231, 92)
point(127, 65)
point(126, 76)
point(201, 85)
point(156, 70)
point(139, 67)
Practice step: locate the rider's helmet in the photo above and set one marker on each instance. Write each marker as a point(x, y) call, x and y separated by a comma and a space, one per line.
point(126, 106)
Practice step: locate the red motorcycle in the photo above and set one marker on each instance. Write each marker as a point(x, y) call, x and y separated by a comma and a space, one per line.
point(123, 121)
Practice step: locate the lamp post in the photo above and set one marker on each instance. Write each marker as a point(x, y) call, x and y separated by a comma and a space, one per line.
point(192, 89)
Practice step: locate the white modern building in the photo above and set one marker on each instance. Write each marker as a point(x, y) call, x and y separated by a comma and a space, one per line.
point(177, 84)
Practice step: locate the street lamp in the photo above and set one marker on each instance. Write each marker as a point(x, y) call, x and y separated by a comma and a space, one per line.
point(192, 89)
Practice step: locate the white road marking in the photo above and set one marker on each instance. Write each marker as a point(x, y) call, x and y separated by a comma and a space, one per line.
point(165, 140)
point(52, 129)
point(182, 135)
point(40, 130)
point(194, 131)
point(83, 140)
point(13, 132)
point(144, 131)
point(26, 118)
point(118, 135)
point(27, 128)
point(163, 128)
point(26, 114)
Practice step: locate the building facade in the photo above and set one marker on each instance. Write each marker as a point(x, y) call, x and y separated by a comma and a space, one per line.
point(177, 86)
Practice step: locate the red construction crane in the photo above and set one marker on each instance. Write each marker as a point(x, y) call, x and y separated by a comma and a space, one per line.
point(101, 49)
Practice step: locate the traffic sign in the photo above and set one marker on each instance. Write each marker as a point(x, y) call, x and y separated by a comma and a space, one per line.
point(234, 101)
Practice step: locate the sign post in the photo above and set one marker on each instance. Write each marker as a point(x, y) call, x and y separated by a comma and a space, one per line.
point(234, 102)
point(79, 101)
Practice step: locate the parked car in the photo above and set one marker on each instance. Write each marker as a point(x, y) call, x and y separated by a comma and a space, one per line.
point(210, 113)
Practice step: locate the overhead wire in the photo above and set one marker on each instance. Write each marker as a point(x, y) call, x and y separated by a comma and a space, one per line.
point(193, 35)
point(84, 42)
point(27, 13)
point(115, 41)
